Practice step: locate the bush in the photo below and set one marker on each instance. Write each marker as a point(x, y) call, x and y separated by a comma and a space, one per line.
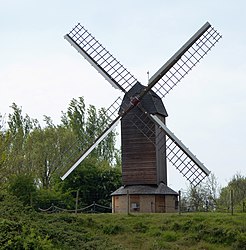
point(170, 236)
point(45, 198)
point(23, 187)
point(29, 239)
point(240, 244)
point(218, 235)
point(10, 206)
point(112, 229)
point(13, 235)
point(140, 227)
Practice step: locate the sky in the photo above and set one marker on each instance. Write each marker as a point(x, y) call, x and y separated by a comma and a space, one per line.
point(41, 72)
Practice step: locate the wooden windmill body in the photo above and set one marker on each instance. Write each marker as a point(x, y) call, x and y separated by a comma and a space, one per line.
point(143, 144)
point(147, 143)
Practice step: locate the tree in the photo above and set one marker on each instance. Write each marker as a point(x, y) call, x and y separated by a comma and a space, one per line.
point(4, 145)
point(20, 127)
point(106, 149)
point(238, 185)
point(46, 146)
point(87, 125)
point(13, 156)
point(212, 191)
point(95, 177)
point(204, 196)
point(95, 180)
point(76, 118)
point(197, 198)
point(23, 187)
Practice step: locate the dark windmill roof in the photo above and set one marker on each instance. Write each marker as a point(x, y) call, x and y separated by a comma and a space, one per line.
point(151, 102)
point(145, 189)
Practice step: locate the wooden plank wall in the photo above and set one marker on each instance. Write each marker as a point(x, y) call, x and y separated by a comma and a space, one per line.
point(138, 152)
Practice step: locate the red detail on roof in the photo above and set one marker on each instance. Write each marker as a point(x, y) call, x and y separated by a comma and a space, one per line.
point(135, 101)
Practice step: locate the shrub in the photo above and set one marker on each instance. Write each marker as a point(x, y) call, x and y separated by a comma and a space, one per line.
point(169, 236)
point(29, 239)
point(218, 235)
point(13, 235)
point(140, 227)
point(240, 243)
point(45, 198)
point(112, 229)
point(23, 187)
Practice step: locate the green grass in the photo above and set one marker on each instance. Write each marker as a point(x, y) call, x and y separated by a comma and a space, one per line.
point(25, 229)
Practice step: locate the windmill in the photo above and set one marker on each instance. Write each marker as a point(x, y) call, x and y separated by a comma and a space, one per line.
point(146, 141)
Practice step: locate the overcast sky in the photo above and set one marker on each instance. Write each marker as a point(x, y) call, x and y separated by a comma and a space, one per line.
point(41, 72)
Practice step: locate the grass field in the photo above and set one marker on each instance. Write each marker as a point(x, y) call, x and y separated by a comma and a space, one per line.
point(26, 229)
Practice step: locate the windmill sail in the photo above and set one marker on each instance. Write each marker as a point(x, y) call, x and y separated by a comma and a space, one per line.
point(100, 58)
point(182, 158)
point(180, 64)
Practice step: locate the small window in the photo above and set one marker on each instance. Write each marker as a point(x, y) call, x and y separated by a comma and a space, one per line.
point(135, 207)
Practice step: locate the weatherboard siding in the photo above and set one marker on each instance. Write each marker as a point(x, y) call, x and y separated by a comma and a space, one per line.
point(143, 151)
point(138, 153)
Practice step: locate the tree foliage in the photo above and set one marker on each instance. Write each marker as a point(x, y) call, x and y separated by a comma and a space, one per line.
point(23, 187)
point(32, 155)
point(237, 185)
point(202, 197)
point(95, 181)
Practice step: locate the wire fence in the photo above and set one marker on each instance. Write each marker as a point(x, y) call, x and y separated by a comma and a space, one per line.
point(183, 204)
point(206, 204)
point(93, 208)
point(193, 209)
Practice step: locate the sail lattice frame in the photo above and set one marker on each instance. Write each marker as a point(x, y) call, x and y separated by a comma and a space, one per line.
point(183, 163)
point(188, 60)
point(100, 58)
